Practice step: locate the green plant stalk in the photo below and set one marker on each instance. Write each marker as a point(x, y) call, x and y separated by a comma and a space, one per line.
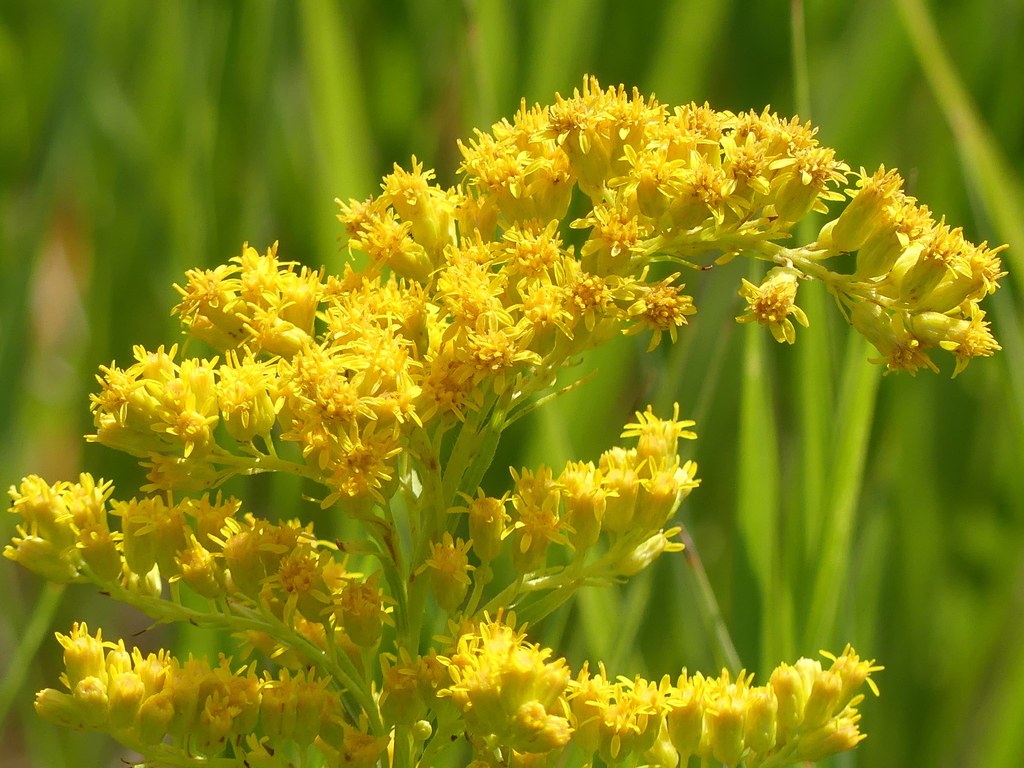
point(856, 408)
point(21, 660)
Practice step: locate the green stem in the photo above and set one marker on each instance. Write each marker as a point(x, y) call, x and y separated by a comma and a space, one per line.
point(488, 444)
point(21, 660)
point(462, 452)
point(403, 747)
point(262, 463)
point(484, 574)
point(385, 535)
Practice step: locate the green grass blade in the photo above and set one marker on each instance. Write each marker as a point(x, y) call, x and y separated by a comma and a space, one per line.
point(681, 63)
point(758, 488)
point(814, 362)
point(339, 117)
point(856, 410)
point(490, 33)
point(32, 637)
point(801, 68)
point(564, 33)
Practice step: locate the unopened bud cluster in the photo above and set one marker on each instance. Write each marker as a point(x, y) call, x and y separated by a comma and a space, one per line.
point(389, 386)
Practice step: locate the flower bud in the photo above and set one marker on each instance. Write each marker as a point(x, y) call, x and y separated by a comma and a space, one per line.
point(184, 685)
point(200, 571)
point(44, 511)
point(125, 694)
point(99, 551)
point(60, 708)
point(791, 693)
point(880, 250)
point(361, 610)
point(584, 497)
point(794, 199)
point(214, 725)
point(822, 701)
point(623, 484)
point(309, 699)
point(662, 753)
point(242, 557)
point(647, 552)
point(726, 728)
point(83, 655)
point(149, 584)
point(866, 210)
point(246, 398)
point(685, 718)
point(91, 696)
point(837, 736)
point(154, 721)
point(278, 709)
point(487, 518)
point(41, 557)
point(824, 238)
point(449, 572)
point(762, 707)
point(401, 702)
point(534, 730)
point(658, 495)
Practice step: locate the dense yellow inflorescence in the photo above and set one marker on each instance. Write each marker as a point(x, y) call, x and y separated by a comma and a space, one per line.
point(389, 386)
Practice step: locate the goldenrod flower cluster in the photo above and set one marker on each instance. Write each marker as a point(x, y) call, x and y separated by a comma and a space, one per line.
point(143, 700)
point(390, 385)
point(804, 713)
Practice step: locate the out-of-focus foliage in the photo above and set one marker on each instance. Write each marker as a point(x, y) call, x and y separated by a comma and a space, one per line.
point(140, 139)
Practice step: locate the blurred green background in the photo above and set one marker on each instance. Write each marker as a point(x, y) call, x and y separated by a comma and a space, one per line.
point(139, 139)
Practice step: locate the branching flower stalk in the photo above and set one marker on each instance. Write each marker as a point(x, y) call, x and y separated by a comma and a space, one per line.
point(390, 386)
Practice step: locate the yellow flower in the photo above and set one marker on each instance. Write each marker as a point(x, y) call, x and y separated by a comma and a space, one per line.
point(771, 303)
point(662, 307)
point(449, 571)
